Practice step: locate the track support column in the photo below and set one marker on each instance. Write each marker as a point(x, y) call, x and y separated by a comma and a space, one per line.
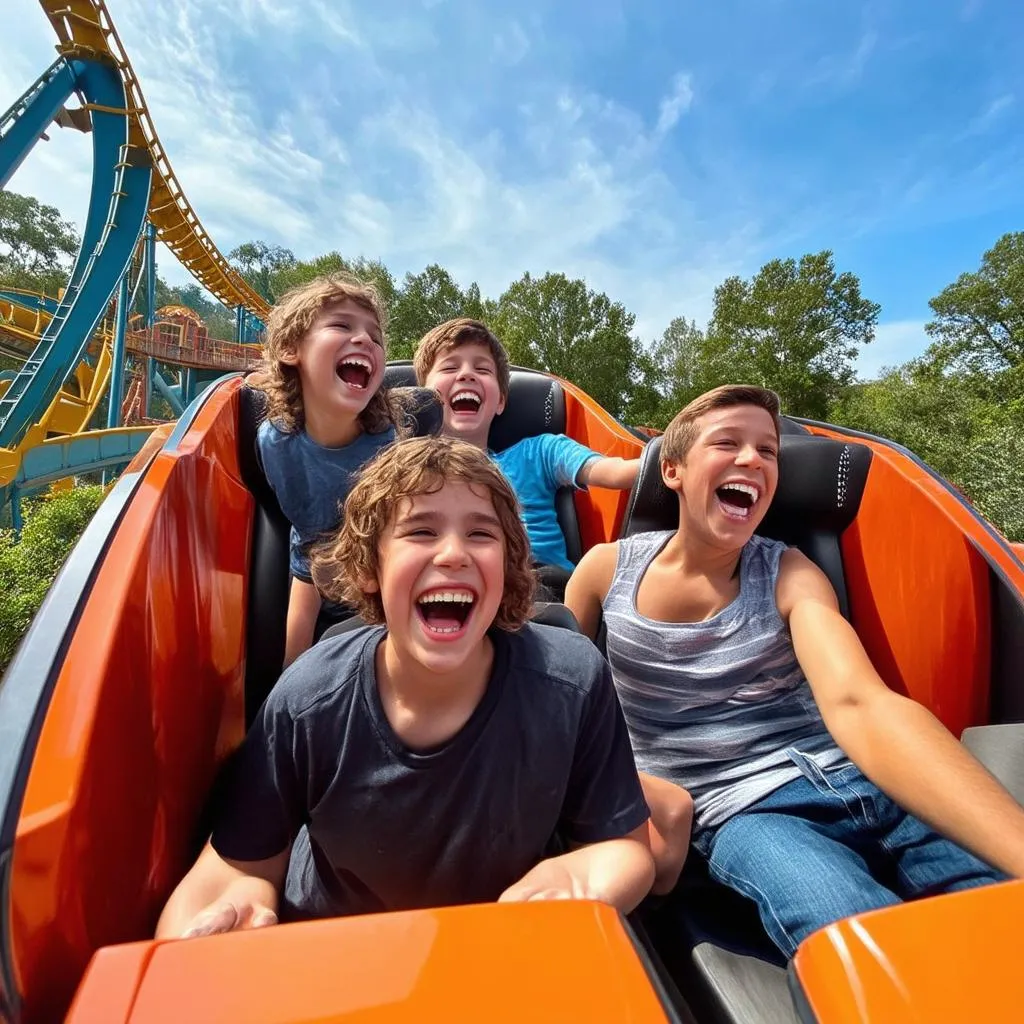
point(117, 363)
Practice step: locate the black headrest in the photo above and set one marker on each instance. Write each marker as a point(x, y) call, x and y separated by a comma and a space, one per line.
point(536, 404)
point(820, 486)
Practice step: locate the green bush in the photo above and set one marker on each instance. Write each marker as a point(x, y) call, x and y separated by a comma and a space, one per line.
point(28, 566)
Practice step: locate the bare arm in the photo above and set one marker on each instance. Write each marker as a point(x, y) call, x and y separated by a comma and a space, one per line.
point(303, 607)
point(668, 829)
point(589, 584)
point(609, 471)
point(895, 741)
point(220, 895)
point(617, 871)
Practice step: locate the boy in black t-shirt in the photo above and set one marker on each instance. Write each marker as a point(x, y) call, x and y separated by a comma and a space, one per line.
point(433, 759)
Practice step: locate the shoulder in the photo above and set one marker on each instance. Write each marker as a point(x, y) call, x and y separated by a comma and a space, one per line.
point(324, 675)
point(799, 580)
point(597, 567)
point(273, 435)
point(556, 655)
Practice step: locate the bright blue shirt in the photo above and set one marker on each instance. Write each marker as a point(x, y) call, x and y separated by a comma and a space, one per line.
point(311, 482)
point(536, 467)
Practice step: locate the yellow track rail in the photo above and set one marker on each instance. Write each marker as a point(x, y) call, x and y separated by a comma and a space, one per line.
point(85, 29)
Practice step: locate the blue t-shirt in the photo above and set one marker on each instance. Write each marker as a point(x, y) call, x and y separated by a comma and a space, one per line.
point(311, 482)
point(544, 758)
point(536, 467)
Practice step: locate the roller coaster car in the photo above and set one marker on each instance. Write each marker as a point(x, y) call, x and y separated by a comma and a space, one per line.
point(165, 630)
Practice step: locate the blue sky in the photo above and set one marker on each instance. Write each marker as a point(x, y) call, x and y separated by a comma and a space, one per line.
point(652, 148)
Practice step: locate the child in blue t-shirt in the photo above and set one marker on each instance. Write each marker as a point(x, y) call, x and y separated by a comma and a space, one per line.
point(468, 367)
point(327, 417)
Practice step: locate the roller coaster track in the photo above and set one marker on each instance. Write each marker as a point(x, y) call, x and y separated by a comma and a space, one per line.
point(86, 30)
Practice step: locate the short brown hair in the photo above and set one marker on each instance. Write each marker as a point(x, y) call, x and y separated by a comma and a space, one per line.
point(419, 465)
point(449, 336)
point(289, 321)
point(682, 431)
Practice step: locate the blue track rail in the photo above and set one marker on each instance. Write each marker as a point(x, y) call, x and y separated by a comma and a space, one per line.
point(122, 174)
point(24, 123)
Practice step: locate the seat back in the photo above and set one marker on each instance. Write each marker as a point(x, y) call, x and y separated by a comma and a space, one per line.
point(536, 405)
point(269, 577)
point(820, 486)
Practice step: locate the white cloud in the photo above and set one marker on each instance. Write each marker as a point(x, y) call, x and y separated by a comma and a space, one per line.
point(675, 104)
point(511, 44)
point(845, 69)
point(990, 114)
point(895, 343)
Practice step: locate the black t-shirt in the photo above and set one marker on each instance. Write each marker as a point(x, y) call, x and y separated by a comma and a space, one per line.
point(377, 826)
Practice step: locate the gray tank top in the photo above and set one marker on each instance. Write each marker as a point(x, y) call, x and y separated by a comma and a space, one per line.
point(719, 706)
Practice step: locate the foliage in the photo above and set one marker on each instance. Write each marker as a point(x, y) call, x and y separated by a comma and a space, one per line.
point(796, 327)
point(29, 565)
point(37, 247)
point(968, 427)
point(258, 262)
point(559, 325)
point(979, 318)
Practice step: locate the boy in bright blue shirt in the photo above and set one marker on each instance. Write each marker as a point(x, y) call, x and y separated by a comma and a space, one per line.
point(468, 366)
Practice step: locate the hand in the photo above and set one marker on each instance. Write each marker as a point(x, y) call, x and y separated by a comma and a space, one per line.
point(549, 880)
point(224, 916)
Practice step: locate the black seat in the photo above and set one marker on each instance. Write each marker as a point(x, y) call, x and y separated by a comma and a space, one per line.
point(708, 936)
point(269, 579)
point(536, 405)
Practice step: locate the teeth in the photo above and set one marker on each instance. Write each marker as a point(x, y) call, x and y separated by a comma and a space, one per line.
point(457, 596)
point(465, 394)
point(364, 364)
point(743, 489)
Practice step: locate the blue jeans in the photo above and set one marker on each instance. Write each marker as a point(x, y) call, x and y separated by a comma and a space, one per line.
point(829, 845)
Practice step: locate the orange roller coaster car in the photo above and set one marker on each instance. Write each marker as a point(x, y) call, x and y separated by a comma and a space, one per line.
point(165, 630)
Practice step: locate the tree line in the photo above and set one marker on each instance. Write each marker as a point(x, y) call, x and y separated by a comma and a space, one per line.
point(797, 326)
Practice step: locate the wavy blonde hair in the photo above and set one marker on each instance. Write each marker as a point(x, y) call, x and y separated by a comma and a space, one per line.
point(421, 465)
point(290, 320)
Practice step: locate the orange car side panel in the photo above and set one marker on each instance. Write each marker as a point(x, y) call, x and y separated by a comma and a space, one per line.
point(554, 961)
point(600, 512)
point(149, 699)
point(953, 958)
point(919, 588)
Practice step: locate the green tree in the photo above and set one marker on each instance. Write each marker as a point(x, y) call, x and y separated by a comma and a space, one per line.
point(37, 246)
point(979, 319)
point(425, 300)
point(967, 427)
point(795, 327)
point(556, 324)
point(28, 566)
point(258, 262)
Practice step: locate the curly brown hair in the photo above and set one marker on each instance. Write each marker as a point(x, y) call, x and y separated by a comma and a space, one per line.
point(342, 565)
point(441, 340)
point(682, 431)
point(290, 320)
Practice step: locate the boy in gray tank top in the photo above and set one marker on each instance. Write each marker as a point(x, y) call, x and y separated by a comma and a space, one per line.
point(745, 690)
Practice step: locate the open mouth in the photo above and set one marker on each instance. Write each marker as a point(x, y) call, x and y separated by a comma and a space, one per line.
point(464, 402)
point(737, 499)
point(445, 612)
point(355, 371)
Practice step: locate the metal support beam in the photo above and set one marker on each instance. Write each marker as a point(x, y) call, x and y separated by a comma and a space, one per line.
point(150, 267)
point(172, 395)
point(117, 364)
point(239, 324)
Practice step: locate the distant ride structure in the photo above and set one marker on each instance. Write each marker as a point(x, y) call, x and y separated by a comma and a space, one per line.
point(82, 346)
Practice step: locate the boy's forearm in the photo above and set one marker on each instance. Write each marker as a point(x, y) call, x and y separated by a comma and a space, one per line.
point(669, 829)
point(304, 604)
point(612, 472)
point(194, 895)
point(617, 871)
point(908, 753)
